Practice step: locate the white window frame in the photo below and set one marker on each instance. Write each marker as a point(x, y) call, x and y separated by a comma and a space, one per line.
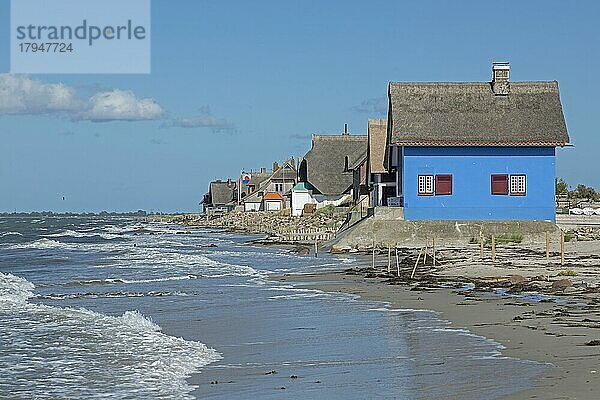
point(517, 185)
point(425, 185)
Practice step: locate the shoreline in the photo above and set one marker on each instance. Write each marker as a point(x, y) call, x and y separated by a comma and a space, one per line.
point(540, 332)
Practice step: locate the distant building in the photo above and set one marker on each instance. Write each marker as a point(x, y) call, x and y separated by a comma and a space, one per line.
point(474, 150)
point(380, 180)
point(335, 167)
point(221, 197)
point(273, 201)
point(280, 180)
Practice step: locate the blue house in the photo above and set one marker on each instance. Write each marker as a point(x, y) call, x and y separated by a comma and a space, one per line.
point(475, 150)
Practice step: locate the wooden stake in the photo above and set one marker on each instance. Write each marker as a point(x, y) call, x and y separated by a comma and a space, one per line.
point(389, 258)
point(480, 245)
point(397, 263)
point(373, 258)
point(547, 247)
point(493, 247)
point(562, 247)
point(416, 263)
point(316, 248)
point(433, 250)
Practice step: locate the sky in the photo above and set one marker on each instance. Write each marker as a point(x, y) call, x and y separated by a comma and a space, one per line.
point(236, 85)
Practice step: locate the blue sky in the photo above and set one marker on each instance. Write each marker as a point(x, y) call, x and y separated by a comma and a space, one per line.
point(237, 85)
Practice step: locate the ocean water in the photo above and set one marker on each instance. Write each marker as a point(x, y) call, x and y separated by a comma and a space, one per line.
point(120, 308)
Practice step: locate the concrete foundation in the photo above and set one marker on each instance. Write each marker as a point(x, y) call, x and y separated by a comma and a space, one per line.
point(386, 228)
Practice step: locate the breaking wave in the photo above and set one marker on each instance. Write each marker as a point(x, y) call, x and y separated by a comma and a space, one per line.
point(78, 353)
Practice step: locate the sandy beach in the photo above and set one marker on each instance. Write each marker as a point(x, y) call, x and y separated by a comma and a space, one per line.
point(554, 332)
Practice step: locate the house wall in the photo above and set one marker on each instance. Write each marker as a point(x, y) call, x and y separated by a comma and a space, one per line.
point(299, 199)
point(287, 185)
point(252, 206)
point(471, 169)
point(273, 205)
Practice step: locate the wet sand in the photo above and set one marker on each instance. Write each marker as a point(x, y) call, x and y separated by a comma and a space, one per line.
point(544, 332)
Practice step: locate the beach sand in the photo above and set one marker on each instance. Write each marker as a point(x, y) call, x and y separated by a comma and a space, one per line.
point(541, 331)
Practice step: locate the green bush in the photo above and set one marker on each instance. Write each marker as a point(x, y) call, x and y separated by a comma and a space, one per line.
point(568, 272)
point(327, 210)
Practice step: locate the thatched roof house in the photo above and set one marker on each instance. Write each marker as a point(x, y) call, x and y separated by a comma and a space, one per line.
point(329, 163)
point(473, 114)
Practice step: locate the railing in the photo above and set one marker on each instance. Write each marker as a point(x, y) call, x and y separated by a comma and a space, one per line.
point(307, 235)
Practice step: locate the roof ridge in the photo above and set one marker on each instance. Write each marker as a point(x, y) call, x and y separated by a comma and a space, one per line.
point(463, 82)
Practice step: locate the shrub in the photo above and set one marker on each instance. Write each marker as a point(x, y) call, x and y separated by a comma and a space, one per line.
point(568, 272)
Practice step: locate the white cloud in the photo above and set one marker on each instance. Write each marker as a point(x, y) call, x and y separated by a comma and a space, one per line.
point(204, 119)
point(120, 105)
point(376, 106)
point(20, 95)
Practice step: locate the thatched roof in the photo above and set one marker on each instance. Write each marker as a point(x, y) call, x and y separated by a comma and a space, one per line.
point(326, 161)
point(222, 193)
point(377, 145)
point(468, 113)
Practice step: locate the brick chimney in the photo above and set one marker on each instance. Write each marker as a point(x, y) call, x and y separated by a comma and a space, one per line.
point(275, 166)
point(500, 75)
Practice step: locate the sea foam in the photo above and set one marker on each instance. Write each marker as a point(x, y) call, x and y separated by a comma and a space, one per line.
point(68, 348)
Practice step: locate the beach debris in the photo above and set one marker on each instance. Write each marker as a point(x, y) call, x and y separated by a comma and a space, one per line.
point(340, 249)
point(594, 342)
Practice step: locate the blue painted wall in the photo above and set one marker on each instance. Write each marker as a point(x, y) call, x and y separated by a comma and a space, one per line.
point(471, 169)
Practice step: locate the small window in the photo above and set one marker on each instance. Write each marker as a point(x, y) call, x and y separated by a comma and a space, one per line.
point(279, 187)
point(518, 185)
point(443, 184)
point(500, 184)
point(425, 185)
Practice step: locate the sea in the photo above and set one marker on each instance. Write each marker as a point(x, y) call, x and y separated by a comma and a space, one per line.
point(98, 307)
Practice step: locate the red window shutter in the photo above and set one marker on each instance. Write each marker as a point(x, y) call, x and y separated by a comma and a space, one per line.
point(443, 184)
point(500, 184)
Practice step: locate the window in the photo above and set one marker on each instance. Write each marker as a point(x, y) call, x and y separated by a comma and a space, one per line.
point(443, 184)
point(500, 184)
point(425, 185)
point(279, 187)
point(518, 185)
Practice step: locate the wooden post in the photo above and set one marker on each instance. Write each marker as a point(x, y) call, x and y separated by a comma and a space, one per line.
point(425, 253)
point(373, 257)
point(480, 245)
point(547, 247)
point(562, 247)
point(416, 263)
point(493, 247)
point(433, 250)
point(316, 248)
point(397, 263)
point(389, 258)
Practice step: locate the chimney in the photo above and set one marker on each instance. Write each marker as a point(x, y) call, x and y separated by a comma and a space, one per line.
point(345, 129)
point(500, 75)
point(263, 170)
point(228, 181)
point(293, 162)
point(275, 166)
